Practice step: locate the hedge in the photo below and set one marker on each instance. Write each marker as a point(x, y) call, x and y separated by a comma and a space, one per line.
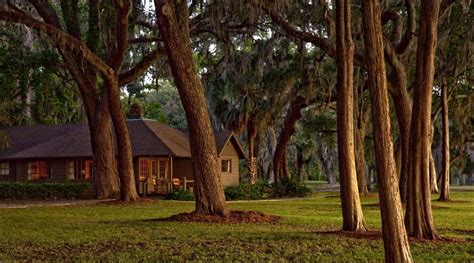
point(20, 190)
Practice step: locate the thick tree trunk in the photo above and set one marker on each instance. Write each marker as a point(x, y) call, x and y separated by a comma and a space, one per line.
point(353, 217)
point(252, 161)
point(419, 219)
point(172, 20)
point(288, 129)
point(128, 189)
point(402, 104)
point(395, 238)
point(106, 181)
point(444, 195)
point(360, 159)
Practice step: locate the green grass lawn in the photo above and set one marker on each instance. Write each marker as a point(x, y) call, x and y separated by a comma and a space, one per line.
point(132, 233)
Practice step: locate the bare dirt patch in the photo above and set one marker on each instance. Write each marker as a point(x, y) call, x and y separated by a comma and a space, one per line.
point(234, 217)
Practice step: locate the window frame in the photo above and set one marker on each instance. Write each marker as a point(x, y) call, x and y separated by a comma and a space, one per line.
point(39, 171)
point(4, 169)
point(228, 166)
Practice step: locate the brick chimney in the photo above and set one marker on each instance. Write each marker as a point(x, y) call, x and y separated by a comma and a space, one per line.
point(135, 112)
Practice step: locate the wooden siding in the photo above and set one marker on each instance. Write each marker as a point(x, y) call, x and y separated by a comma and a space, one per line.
point(183, 168)
point(58, 170)
point(229, 153)
point(21, 171)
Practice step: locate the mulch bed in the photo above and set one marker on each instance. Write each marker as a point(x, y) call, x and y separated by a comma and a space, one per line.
point(234, 217)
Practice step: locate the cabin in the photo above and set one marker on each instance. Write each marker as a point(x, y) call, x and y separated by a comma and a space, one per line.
point(161, 155)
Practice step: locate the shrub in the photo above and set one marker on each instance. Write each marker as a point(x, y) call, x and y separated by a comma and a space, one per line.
point(246, 191)
point(288, 187)
point(20, 190)
point(181, 195)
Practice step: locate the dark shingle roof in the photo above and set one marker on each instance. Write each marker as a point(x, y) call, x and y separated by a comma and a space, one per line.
point(148, 138)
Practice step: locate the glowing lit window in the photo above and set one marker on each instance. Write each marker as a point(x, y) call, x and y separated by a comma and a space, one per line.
point(143, 169)
point(38, 170)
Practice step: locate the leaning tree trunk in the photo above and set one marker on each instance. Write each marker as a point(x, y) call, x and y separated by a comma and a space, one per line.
point(419, 219)
point(288, 129)
point(402, 104)
point(128, 189)
point(172, 20)
point(252, 161)
point(106, 181)
point(353, 217)
point(444, 195)
point(394, 235)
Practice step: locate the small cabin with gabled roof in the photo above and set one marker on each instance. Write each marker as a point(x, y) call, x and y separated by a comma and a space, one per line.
point(161, 155)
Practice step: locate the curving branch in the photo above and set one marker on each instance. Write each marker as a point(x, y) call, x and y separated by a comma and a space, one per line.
point(60, 38)
point(323, 43)
point(395, 17)
point(140, 68)
point(121, 33)
point(407, 38)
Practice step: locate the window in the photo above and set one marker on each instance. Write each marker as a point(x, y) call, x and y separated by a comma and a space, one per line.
point(163, 166)
point(38, 170)
point(4, 169)
point(70, 170)
point(226, 166)
point(84, 170)
point(154, 168)
point(143, 169)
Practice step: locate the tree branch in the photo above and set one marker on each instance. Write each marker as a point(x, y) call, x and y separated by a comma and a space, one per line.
point(407, 38)
point(60, 38)
point(121, 33)
point(141, 67)
point(322, 43)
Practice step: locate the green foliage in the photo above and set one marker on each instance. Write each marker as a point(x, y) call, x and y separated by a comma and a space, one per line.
point(34, 86)
point(17, 190)
point(246, 191)
point(288, 187)
point(181, 195)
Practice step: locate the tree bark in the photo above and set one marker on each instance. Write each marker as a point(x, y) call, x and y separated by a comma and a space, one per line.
point(402, 104)
point(353, 217)
point(419, 219)
point(444, 195)
point(252, 161)
point(172, 20)
point(288, 129)
point(360, 161)
point(394, 235)
point(106, 181)
point(128, 189)
point(433, 181)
